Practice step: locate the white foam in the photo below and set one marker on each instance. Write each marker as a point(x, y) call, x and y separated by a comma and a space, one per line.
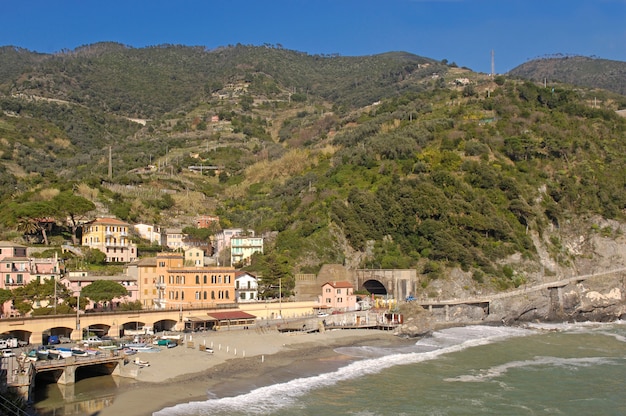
point(271, 398)
point(497, 371)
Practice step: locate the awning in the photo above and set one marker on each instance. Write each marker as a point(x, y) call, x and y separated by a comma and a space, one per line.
point(198, 319)
point(230, 316)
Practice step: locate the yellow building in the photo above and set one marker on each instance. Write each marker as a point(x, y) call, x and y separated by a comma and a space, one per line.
point(180, 286)
point(111, 236)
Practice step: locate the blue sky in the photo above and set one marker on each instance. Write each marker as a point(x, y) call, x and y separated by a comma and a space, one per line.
point(461, 31)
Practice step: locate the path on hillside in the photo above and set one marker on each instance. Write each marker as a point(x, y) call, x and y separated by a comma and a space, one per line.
point(523, 290)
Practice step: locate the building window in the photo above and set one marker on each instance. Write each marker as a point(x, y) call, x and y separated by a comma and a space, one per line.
point(197, 279)
point(328, 300)
point(213, 294)
point(204, 279)
point(20, 278)
point(197, 295)
point(205, 295)
point(339, 300)
point(339, 291)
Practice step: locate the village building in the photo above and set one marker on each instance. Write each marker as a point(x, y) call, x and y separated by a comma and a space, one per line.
point(144, 271)
point(19, 270)
point(243, 247)
point(76, 281)
point(246, 287)
point(111, 236)
point(338, 296)
point(174, 238)
point(153, 233)
point(206, 221)
point(180, 286)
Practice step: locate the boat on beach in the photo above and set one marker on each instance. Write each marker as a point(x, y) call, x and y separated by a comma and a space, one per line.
point(43, 353)
point(79, 352)
point(59, 353)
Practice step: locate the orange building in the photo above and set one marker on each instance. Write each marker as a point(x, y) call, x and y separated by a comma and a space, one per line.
point(188, 287)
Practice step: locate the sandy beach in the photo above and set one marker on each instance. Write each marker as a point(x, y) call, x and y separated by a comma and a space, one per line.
point(242, 360)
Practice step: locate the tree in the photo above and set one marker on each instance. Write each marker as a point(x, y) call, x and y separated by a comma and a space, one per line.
point(72, 208)
point(104, 291)
point(36, 215)
point(38, 291)
point(277, 276)
point(5, 296)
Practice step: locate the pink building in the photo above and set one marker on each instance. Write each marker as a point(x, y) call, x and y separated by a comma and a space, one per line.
point(76, 281)
point(338, 296)
point(18, 270)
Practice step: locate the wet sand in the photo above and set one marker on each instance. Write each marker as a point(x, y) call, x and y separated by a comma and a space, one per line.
point(242, 361)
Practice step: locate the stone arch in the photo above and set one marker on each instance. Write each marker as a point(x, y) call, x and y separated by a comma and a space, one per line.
point(375, 287)
point(164, 325)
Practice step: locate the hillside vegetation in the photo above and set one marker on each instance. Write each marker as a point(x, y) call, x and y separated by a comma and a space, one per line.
point(575, 70)
point(390, 161)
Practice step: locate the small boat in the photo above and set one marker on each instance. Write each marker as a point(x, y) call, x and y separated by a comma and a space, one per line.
point(29, 356)
point(141, 363)
point(43, 353)
point(79, 353)
point(108, 347)
point(59, 353)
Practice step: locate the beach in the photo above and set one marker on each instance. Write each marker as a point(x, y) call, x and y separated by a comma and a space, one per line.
point(242, 360)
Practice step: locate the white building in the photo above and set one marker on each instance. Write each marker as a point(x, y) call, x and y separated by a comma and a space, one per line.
point(174, 238)
point(246, 287)
point(152, 233)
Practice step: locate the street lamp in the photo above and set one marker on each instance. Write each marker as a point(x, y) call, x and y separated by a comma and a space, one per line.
point(77, 314)
point(280, 298)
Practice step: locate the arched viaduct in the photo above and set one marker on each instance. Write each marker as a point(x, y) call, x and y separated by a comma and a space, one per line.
point(110, 323)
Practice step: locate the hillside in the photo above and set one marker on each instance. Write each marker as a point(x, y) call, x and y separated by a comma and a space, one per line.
point(386, 161)
point(575, 70)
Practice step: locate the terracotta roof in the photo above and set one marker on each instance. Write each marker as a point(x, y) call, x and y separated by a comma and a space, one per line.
point(230, 315)
point(339, 284)
point(111, 221)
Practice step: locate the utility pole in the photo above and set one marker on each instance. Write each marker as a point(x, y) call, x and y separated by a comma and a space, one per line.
point(110, 165)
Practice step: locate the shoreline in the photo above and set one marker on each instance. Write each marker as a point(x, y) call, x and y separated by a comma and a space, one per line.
point(183, 374)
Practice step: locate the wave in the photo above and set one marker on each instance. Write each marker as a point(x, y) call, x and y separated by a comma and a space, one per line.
point(271, 398)
point(500, 370)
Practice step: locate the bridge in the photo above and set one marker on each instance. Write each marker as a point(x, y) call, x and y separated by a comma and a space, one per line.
point(22, 375)
point(115, 323)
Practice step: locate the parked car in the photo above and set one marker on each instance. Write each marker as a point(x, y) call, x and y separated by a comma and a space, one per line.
point(7, 353)
point(93, 340)
point(65, 340)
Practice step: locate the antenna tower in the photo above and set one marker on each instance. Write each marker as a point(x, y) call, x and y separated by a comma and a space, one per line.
point(493, 64)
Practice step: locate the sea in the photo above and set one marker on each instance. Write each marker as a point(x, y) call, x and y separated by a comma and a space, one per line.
point(537, 369)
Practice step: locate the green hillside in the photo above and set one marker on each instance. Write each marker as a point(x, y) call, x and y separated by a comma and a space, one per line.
point(575, 70)
point(391, 161)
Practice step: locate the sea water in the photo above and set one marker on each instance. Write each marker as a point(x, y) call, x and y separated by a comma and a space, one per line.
point(568, 369)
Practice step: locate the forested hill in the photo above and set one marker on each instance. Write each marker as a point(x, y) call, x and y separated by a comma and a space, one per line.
point(575, 70)
point(149, 82)
point(391, 161)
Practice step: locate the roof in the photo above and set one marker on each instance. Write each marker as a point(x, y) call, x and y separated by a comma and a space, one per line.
point(89, 278)
point(240, 273)
point(10, 244)
point(109, 221)
point(16, 259)
point(342, 284)
point(230, 315)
